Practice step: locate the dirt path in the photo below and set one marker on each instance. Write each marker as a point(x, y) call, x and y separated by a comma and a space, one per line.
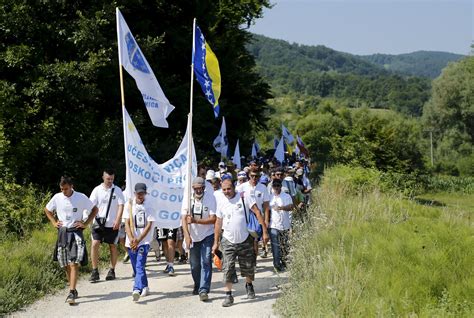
point(169, 297)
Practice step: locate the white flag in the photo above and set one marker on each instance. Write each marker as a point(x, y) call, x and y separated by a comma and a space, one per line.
point(133, 60)
point(236, 159)
point(220, 143)
point(254, 151)
point(166, 182)
point(286, 133)
point(280, 151)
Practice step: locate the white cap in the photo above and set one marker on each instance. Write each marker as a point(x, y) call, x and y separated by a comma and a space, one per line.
point(210, 175)
point(241, 175)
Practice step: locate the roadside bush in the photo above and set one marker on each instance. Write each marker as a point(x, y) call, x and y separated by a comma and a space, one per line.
point(21, 210)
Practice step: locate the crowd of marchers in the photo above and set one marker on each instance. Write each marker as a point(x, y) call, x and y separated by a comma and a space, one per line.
point(214, 229)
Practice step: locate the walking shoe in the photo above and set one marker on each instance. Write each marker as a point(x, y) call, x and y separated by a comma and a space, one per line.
point(167, 269)
point(250, 291)
point(136, 295)
point(263, 254)
point(94, 276)
point(183, 259)
point(228, 301)
point(126, 258)
point(235, 280)
point(110, 274)
point(203, 296)
point(71, 298)
point(145, 291)
point(171, 271)
point(196, 291)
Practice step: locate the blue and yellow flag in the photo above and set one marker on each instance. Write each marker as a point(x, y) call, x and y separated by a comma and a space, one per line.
point(206, 68)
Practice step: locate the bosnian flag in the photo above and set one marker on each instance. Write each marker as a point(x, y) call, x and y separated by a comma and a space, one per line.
point(206, 68)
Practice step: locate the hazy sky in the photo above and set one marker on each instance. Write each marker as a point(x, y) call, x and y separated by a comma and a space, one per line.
point(369, 26)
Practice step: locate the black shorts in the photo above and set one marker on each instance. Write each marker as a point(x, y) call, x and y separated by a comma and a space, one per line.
point(170, 234)
point(108, 235)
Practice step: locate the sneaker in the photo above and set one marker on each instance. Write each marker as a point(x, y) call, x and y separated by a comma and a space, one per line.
point(183, 259)
point(136, 295)
point(263, 254)
point(228, 301)
point(145, 291)
point(250, 291)
point(167, 269)
point(71, 298)
point(196, 291)
point(203, 296)
point(110, 274)
point(171, 271)
point(94, 276)
point(235, 280)
point(126, 258)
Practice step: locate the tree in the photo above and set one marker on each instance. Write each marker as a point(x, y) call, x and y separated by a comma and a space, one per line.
point(60, 105)
point(450, 113)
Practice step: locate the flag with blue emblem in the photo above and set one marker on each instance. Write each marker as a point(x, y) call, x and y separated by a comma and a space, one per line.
point(135, 63)
point(206, 68)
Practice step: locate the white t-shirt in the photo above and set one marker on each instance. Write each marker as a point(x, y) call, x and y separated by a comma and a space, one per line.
point(70, 209)
point(234, 222)
point(280, 220)
point(100, 197)
point(219, 195)
point(202, 210)
point(142, 214)
point(208, 187)
point(259, 194)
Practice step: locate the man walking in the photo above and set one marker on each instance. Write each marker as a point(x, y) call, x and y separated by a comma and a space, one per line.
point(69, 206)
point(110, 201)
point(232, 213)
point(198, 228)
point(139, 217)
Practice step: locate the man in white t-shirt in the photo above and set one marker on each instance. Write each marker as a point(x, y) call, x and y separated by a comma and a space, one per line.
point(110, 201)
point(281, 205)
point(232, 214)
point(260, 195)
point(69, 207)
point(138, 224)
point(198, 228)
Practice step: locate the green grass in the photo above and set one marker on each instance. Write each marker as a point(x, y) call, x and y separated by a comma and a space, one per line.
point(28, 272)
point(366, 253)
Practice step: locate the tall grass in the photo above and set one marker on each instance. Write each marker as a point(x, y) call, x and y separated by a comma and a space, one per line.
point(363, 253)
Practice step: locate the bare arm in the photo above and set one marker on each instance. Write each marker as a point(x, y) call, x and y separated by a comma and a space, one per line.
point(51, 219)
point(217, 234)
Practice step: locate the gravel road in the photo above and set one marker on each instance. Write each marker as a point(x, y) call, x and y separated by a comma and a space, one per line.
point(169, 296)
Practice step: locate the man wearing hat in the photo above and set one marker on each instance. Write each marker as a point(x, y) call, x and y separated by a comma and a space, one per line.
point(139, 218)
point(303, 184)
point(198, 228)
point(241, 179)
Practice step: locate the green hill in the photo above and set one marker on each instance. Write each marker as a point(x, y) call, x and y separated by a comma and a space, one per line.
point(323, 72)
point(421, 63)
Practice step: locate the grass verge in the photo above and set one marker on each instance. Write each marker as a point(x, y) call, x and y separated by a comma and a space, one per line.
point(366, 253)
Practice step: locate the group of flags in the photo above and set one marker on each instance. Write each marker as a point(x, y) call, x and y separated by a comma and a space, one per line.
point(206, 69)
point(205, 65)
point(221, 145)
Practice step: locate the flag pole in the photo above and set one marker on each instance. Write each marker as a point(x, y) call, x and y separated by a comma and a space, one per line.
point(125, 141)
point(190, 125)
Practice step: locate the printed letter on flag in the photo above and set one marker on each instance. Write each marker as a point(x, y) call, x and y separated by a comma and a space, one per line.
point(165, 182)
point(133, 60)
point(206, 68)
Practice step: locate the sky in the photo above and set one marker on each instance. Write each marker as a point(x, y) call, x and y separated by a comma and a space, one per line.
point(372, 26)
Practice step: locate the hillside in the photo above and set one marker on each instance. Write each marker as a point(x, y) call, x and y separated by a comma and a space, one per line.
point(323, 72)
point(421, 63)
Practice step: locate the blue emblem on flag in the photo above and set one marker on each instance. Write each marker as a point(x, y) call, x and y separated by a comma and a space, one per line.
point(135, 54)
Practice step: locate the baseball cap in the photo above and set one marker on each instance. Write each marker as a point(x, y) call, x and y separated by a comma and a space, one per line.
point(264, 179)
point(140, 188)
point(241, 175)
point(210, 174)
point(226, 176)
point(198, 181)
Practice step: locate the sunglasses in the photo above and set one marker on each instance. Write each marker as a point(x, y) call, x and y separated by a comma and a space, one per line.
point(254, 176)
